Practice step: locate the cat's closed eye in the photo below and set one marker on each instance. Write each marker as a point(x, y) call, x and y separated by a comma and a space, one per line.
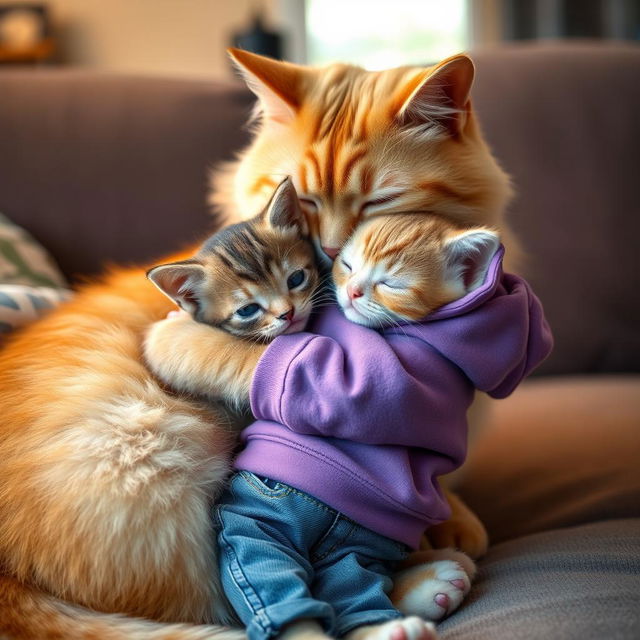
point(372, 204)
point(308, 203)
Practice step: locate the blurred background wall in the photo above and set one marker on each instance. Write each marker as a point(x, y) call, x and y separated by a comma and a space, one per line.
point(189, 37)
point(174, 37)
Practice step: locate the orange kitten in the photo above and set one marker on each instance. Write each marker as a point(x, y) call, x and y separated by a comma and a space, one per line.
point(401, 268)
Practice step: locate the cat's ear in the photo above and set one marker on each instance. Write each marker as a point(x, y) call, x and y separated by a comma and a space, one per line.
point(441, 98)
point(284, 209)
point(180, 281)
point(278, 85)
point(467, 256)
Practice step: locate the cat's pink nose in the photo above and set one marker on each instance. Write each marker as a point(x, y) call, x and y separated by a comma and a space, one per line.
point(287, 315)
point(332, 252)
point(354, 291)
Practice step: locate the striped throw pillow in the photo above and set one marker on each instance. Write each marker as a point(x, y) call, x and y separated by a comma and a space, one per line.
point(30, 282)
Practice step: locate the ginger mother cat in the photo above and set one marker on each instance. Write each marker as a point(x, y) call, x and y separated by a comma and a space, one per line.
point(105, 479)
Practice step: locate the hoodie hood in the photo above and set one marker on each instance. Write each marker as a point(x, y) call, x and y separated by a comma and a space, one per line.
point(496, 334)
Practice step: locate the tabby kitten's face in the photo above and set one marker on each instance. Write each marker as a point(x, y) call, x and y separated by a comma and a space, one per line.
point(401, 268)
point(254, 279)
point(360, 144)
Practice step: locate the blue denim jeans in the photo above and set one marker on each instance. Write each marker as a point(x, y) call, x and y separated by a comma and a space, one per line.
point(285, 556)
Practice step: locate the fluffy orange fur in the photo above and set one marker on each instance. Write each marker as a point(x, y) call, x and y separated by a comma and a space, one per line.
point(357, 145)
point(105, 477)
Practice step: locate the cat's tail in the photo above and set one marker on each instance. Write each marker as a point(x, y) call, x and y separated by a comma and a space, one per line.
point(28, 614)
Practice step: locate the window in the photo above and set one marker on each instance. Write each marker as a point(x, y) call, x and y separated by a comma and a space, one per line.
point(378, 34)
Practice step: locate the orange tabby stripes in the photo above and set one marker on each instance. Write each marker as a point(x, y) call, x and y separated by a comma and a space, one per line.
point(349, 165)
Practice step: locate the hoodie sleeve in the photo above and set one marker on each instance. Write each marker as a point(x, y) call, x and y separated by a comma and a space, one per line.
point(356, 384)
point(409, 386)
point(499, 343)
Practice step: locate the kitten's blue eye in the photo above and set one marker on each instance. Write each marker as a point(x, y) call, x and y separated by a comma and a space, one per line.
point(345, 264)
point(295, 279)
point(248, 310)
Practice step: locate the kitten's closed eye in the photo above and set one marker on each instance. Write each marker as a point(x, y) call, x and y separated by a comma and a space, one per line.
point(397, 285)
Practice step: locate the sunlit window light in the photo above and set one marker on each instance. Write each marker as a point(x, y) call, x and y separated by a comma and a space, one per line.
point(378, 34)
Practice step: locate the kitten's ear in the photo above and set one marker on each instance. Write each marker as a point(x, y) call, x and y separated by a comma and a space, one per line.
point(277, 84)
point(284, 209)
point(441, 98)
point(467, 256)
point(180, 281)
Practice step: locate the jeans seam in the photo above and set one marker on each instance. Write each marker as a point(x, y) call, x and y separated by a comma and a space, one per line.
point(275, 493)
point(314, 557)
point(238, 577)
point(339, 542)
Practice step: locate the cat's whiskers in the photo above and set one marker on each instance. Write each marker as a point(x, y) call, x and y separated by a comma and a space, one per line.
point(392, 323)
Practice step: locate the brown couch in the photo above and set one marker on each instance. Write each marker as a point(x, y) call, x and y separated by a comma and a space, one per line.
point(111, 168)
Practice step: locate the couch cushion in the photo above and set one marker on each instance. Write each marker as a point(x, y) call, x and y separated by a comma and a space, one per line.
point(558, 452)
point(580, 582)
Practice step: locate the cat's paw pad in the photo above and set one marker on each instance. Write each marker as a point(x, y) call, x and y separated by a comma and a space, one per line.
point(436, 589)
point(411, 628)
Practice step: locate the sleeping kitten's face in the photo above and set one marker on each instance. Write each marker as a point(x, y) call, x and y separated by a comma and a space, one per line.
point(255, 279)
point(401, 268)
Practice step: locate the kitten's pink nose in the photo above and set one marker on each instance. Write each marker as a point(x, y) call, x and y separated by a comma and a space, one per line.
point(332, 252)
point(354, 291)
point(287, 315)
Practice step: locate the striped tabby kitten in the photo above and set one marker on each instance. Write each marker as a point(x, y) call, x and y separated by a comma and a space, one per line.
point(253, 279)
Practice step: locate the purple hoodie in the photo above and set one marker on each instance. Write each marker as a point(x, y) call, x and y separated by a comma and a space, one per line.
point(366, 421)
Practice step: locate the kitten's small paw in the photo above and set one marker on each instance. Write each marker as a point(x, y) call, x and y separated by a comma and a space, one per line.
point(411, 628)
point(434, 589)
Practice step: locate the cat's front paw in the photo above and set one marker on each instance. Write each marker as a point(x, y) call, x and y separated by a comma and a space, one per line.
point(159, 348)
point(435, 585)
